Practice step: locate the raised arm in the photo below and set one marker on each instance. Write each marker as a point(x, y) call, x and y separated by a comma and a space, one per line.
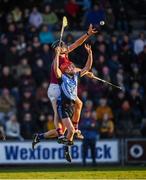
point(89, 61)
point(82, 39)
point(56, 64)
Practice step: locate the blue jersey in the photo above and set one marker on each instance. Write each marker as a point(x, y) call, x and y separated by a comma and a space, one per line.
point(69, 86)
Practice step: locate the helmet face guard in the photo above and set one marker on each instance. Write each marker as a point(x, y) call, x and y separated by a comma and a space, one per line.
point(65, 66)
point(57, 43)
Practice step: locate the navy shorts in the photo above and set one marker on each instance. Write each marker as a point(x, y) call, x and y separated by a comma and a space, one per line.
point(65, 108)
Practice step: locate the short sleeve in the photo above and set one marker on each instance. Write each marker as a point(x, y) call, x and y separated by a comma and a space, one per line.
point(78, 74)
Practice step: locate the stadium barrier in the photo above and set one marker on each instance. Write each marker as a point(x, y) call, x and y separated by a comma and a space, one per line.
point(107, 151)
point(135, 150)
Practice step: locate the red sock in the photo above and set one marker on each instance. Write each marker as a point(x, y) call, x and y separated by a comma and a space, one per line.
point(59, 131)
point(75, 124)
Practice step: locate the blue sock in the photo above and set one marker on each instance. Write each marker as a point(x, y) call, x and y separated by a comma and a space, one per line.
point(41, 136)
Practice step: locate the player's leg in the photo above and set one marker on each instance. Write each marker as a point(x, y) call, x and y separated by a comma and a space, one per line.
point(49, 134)
point(53, 94)
point(57, 124)
point(76, 117)
point(70, 130)
point(40, 136)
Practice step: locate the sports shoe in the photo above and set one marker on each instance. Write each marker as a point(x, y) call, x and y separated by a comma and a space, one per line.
point(67, 154)
point(62, 140)
point(78, 135)
point(35, 140)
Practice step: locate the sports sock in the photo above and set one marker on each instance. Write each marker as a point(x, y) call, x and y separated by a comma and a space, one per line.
point(59, 131)
point(41, 136)
point(75, 124)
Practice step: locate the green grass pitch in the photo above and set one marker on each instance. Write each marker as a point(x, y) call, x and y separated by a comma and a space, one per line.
point(73, 172)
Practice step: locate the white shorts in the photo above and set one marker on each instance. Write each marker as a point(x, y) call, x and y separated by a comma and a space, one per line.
point(53, 91)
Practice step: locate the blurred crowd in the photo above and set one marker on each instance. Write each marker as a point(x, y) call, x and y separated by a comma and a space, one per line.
point(26, 34)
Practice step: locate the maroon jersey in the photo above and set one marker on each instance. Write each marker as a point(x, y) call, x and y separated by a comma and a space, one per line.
point(62, 60)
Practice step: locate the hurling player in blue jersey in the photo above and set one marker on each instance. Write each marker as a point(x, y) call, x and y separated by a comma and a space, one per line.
point(68, 76)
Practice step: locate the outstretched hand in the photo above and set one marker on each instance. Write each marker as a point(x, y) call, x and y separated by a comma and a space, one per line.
point(88, 48)
point(91, 30)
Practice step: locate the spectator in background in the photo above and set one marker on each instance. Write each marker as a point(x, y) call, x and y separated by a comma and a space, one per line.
point(11, 33)
point(42, 122)
point(122, 19)
point(88, 106)
point(136, 104)
point(28, 96)
point(26, 80)
point(17, 14)
point(135, 75)
point(86, 5)
point(89, 128)
point(118, 100)
point(31, 33)
point(9, 18)
point(142, 60)
point(13, 129)
point(69, 39)
point(99, 63)
point(50, 123)
point(45, 36)
point(106, 74)
point(50, 18)
point(35, 18)
point(41, 92)
point(143, 127)
point(113, 46)
point(119, 79)
point(124, 121)
point(103, 109)
point(110, 19)
point(126, 41)
point(12, 56)
point(126, 56)
point(26, 13)
point(139, 43)
point(39, 71)
point(84, 96)
point(94, 16)
point(47, 56)
point(7, 105)
point(113, 64)
point(6, 79)
point(36, 43)
point(3, 48)
point(21, 45)
point(106, 127)
point(22, 67)
point(72, 10)
point(28, 127)
point(24, 108)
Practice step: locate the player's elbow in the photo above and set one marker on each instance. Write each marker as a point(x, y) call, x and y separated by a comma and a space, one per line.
point(88, 68)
